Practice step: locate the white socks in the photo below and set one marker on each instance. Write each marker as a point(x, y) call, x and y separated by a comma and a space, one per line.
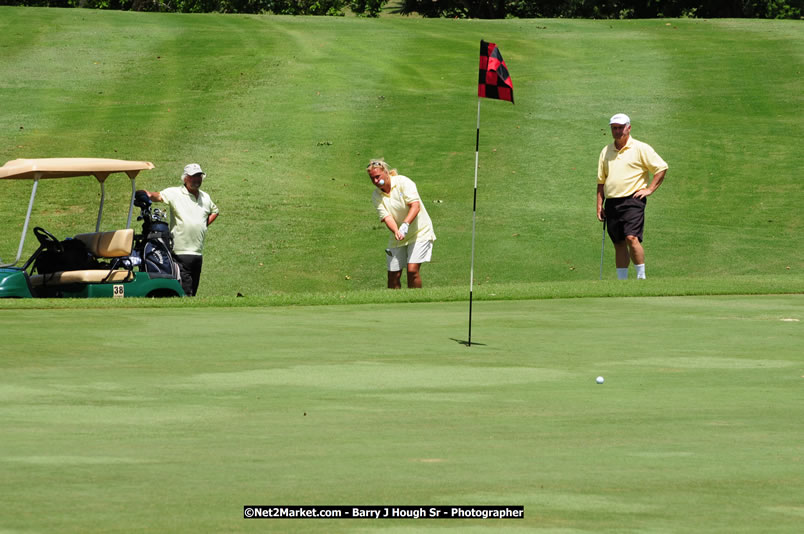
point(622, 272)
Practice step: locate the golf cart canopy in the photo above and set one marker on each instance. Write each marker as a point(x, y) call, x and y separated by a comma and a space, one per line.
point(35, 169)
point(49, 168)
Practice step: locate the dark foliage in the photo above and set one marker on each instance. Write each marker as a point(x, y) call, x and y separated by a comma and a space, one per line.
point(369, 8)
point(606, 9)
point(481, 9)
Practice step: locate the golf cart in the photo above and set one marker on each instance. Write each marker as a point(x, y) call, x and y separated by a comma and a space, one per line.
point(114, 263)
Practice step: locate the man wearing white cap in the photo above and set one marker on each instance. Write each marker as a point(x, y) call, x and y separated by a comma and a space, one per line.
point(191, 213)
point(622, 181)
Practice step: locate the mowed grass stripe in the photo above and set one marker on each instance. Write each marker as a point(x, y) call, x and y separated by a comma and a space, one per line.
point(735, 223)
point(691, 429)
point(259, 99)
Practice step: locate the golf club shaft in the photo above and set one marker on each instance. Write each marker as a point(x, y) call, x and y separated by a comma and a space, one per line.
point(602, 245)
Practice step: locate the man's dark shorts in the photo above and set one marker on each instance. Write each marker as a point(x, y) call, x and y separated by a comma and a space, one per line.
point(625, 216)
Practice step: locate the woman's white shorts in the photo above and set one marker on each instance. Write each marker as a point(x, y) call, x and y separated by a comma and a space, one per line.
point(416, 252)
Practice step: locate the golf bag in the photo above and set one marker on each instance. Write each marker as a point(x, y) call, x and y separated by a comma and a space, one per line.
point(153, 249)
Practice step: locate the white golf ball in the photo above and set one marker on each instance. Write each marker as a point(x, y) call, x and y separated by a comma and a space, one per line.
point(599, 380)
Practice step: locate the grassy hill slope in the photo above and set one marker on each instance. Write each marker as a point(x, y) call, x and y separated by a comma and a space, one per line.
point(283, 113)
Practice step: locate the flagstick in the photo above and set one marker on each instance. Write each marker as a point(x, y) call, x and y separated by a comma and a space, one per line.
point(474, 212)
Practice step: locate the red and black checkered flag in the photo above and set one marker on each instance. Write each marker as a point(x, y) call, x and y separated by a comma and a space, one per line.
point(494, 80)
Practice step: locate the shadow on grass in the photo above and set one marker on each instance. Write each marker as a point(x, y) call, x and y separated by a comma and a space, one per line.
point(466, 343)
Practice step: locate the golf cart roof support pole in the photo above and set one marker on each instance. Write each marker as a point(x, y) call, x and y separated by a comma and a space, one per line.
point(27, 218)
point(100, 209)
point(131, 202)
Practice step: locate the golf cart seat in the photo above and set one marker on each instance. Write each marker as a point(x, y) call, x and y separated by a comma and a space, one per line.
point(114, 244)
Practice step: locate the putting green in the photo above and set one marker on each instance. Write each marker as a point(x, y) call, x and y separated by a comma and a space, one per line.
point(174, 419)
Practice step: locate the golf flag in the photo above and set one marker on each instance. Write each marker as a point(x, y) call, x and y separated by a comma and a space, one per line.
point(494, 80)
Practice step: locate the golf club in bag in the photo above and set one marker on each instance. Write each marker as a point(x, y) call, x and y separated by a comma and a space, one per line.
point(153, 248)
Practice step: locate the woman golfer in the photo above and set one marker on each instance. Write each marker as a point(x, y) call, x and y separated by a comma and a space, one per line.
point(400, 208)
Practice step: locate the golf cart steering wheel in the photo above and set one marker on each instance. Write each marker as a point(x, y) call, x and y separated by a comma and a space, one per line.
point(46, 239)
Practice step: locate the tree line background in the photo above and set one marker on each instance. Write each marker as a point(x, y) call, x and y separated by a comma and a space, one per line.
point(483, 9)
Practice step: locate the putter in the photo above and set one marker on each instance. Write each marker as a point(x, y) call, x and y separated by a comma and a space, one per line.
point(602, 244)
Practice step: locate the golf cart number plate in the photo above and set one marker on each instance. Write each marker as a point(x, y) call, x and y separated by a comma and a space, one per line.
point(119, 291)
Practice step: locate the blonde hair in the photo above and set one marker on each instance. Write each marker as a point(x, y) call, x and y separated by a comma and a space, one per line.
point(381, 163)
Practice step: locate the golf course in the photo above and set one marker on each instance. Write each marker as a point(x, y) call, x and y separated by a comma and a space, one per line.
point(295, 379)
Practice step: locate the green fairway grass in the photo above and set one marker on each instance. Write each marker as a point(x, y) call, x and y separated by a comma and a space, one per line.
point(284, 112)
point(735, 285)
point(110, 423)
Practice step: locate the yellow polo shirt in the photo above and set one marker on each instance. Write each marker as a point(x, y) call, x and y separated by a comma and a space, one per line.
point(188, 218)
point(626, 171)
point(396, 204)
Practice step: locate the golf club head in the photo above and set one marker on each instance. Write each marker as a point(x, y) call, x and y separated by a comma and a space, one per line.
point(142, 200)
